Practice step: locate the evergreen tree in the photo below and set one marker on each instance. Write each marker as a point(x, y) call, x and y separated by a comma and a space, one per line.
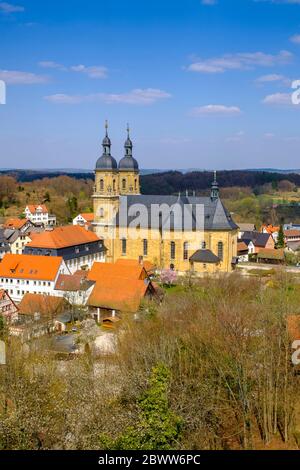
point(280, 240)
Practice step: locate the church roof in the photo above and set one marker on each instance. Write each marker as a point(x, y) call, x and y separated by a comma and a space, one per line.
point(204, 256)
point(128, 163)
point(106, 162)
point(216, 217)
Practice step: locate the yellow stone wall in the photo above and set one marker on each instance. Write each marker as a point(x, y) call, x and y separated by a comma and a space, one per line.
point(132, 182)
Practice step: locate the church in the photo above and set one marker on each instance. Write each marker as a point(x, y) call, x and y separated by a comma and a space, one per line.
point(180, 232)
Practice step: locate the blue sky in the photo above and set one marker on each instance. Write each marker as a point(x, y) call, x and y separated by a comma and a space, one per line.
point(203, 84)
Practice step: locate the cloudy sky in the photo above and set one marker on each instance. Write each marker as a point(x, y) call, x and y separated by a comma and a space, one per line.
point(203, 84)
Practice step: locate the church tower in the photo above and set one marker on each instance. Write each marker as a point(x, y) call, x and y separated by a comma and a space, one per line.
point(106, 196)
point(129, 181)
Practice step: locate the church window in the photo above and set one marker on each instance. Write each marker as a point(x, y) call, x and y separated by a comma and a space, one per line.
point(135, 184)
point(101, 185)
point(101, 212)
point(173, 250)
point(220, 250)
point(145, 247)
point(124, 246)
point(185, 251)
point(114, 185)
point(123, 183)
point(203, 245)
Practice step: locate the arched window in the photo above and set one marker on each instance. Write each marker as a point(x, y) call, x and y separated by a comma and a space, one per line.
point(123, 183)
point(173, 250)
point(185, 251)
point(135, 184)
point(114, 185)
point(220, 250)
point(101, 212)
point(101, 185)
point(203, 245)
point(124, 246)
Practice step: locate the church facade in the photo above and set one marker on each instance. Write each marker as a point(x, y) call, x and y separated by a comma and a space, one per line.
point(183, 233)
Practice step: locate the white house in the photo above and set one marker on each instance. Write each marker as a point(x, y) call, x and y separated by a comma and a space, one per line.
point(29, 274)
point(39, 215)
point(86, 218)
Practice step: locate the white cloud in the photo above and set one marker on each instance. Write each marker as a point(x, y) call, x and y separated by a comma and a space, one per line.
point(135, 97)
point(95, 71)
point(215, 109)
point(239, 61)
point(9, 8)
point(49, 64)
point(274, 78)
point(283, 99)
point(295, 38)
point(16, 77)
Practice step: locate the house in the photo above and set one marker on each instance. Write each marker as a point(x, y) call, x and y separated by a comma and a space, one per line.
point(271, 229)
point(41, 307)
point(291, 226)
point(245, 227)
point(76, 288)
point(39, 215)
point(242, 251)
point(271, 256)
point(8, 309)
point(257, 241)
point(291, 235)
point(79, 247)
point(293, 246)
point(4, 245)
point(22, 274)
point(16, 240)
point(23, 225)
point(149, 267)
point(118, 288)
point(84, 219)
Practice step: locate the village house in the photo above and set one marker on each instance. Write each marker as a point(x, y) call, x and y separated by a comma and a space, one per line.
point(79, 247)
point(22, 274)
point(23, 225)
point(257, 241)
point(84, 219)
point(39, 215)
point(245, 227)
point(242, 251)
point(119, 288)
point(291, 235)
point(76, 288)
point(8, 309)
point(271, 229)
point(271, 256)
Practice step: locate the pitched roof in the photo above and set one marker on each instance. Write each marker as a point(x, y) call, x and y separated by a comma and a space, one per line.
point(88, 216)
point(61, 237)
point(270, 228)
point(216, 217)
point(44, 268)
point(269, 253)
point(292, 233)
point(293, 245)
point(246, 227)
point(15, 223)
point(149, 267)
point(33, 207)
point(102, 271)
point(118, 293)
point(73, 282)
point(204, 256)
point(46, 305)
point(257, 238)
point(242, 246)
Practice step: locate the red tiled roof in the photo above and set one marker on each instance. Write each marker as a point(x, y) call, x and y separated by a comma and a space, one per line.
point(241, 246)
point(270, 228)
point(101, 271)
point(33, 207)
point(88, 216)
point(118, 293)
point(292, 233)
point(132, 262)
point(44, 268)
point(61, 237)
point(46, 305)
point(73, 283)
point(15, 223)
